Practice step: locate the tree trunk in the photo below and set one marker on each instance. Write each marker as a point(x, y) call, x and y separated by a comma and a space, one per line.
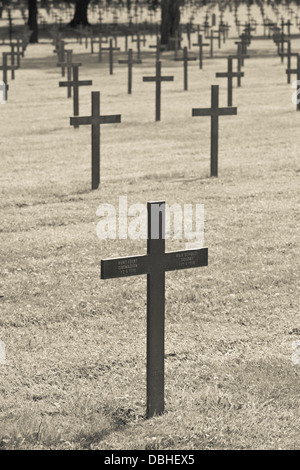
point(170, 21)
point(32, 20)
point(80, 15)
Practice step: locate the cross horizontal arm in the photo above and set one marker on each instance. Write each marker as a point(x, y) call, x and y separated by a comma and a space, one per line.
point(65, 64)
point(81, 120)
point(226, 111)
point(113, 48)
point(201, 112)
point(72, 83)
point(158, 79)
point(136, 61)
point(233, 74)
point(110, 119)
point(178, 59)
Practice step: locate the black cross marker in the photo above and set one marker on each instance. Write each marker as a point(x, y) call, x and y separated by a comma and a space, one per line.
point(158, 79)
point(130, 63)
point(214, 112)
point(155, 264)
point(95, 120)
point(229, 75)
point(185, 59)
point(111, 50)
point(75, 83)
point(68, 64)
point(200, 44)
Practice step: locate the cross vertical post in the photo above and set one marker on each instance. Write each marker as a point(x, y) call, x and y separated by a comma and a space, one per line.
point(155, 312)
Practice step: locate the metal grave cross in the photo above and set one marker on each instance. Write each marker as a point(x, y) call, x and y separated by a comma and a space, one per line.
point(240, 61)
point(158, 79)
point(68, 64)
point(229, 75)
point(185, 59)
point(111, 50)
point(130, 63)
point(214, 112)
point(95, 120)
point(200, 44)
point(75, 83)
point(155, 264)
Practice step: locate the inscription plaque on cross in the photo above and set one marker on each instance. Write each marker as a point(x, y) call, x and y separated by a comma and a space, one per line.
point(155, 264)
point(75, 83)
point(229, 75)
point(158, 79)
point(130, 63)
point(214, 112)
point(95, 120)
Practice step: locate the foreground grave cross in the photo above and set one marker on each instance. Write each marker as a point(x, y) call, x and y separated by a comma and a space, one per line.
point(68, 64)
point(75, 83)
point(95, 120)
point(297, 72)
point(155, 264)
point(130, 63)
point(185, 59)
point(200, 44)
point(214, 112)
point(158, 79)
point(229, 75)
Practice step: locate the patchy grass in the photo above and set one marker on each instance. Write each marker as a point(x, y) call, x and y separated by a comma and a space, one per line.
point(75, 371)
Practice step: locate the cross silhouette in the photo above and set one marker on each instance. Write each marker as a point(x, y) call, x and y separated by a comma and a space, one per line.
point(158, 78)
point(155, 264)
point(95, 120)
point(229, 75)
point(214, 112)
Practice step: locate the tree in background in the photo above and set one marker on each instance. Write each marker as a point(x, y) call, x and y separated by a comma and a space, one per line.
point(170, 21)
point(32, 20)
point(80, 15)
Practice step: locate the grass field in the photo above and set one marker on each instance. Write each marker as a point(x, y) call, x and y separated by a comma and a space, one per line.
point(74, 376)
